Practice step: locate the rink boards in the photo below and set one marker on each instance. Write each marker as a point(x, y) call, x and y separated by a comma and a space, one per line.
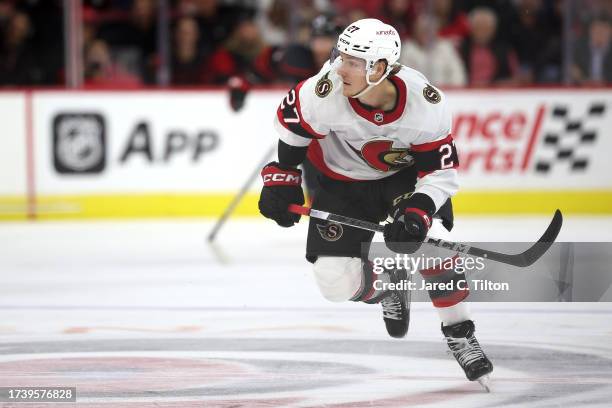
point(101, 154)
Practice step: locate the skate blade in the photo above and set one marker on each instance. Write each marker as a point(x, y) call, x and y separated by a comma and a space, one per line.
point(485, 382)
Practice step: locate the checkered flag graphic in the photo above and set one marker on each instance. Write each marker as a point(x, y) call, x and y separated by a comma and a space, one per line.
point(569, 135)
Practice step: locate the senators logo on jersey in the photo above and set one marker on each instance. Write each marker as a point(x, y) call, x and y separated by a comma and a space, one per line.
point(331, 231)
point(324, 87)
point(431, 94)
point(382, 156)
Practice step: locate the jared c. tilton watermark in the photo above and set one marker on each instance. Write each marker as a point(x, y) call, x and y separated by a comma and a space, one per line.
point(414, 263)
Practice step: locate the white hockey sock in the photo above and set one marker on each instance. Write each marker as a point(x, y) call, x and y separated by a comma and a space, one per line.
point(454, 314)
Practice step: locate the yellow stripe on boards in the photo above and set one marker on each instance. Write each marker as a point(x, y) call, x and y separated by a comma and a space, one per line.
point(591, 202)
point(144, 206)
point(14, 208)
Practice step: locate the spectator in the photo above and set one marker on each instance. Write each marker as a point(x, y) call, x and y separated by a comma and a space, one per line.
point(356, 14)
point(593, 54)
point(283, 22)
point(362, 8)
point(216, 22)
point(7, 9)
point(102, 72)
point(243, 54)
point(186, 59)
point(100, 5)
point(134, 42)
point(435, 57)
point(506, 12)
point(274, 20)
point(487, 61)
point(47, 41)
point(18, 64)
point(584, 10)
point(302, 61)
point(400, 14)
point(537, 40)
point(452, 22)
point(139, 31)
point(302, 18)
point(187, 8)
point(325, 32)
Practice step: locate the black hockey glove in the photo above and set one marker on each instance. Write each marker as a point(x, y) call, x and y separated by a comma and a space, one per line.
point(282, 186)
point(411, 222)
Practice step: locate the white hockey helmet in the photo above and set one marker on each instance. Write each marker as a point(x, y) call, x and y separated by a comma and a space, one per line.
point(372, 40)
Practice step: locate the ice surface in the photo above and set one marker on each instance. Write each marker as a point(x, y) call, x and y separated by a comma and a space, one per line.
point(143, 314)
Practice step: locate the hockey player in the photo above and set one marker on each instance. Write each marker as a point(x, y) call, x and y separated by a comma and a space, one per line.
point(379, 134)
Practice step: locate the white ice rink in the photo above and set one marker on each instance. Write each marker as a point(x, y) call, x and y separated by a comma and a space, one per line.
point(146, 314)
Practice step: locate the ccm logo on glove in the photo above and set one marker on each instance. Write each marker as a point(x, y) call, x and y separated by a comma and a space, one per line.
point(282, 186)
point(279, 179)
point(274, 176)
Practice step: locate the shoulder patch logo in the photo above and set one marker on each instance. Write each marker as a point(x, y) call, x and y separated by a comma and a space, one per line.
point(431, 94)
point(324, 87)
point(330, 231)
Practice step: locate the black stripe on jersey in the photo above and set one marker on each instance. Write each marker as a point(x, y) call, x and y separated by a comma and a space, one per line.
point(439, 155)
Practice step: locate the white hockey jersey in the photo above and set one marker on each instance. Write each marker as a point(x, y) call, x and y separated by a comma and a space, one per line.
point(349, 141)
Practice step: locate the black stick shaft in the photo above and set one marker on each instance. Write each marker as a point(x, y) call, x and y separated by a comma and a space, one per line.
point(521, 260)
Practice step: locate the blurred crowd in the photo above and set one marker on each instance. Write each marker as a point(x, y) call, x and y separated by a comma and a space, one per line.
point(454, 43)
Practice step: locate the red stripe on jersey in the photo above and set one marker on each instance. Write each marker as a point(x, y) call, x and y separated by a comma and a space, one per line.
point(315, 155)
point(426, 147)
point(385, 116)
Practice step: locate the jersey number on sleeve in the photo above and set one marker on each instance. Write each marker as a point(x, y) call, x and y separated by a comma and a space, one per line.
point(290, 100)
point(446, 161)
point(290, 117)
point(439, 155)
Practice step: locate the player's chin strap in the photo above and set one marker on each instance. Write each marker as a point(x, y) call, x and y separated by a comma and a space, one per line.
point(372, 84)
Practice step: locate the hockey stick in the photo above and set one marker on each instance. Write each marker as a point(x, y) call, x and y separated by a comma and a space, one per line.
point(234, 203)
point(521, 260)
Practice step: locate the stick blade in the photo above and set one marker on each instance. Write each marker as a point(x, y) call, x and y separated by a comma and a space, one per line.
point(532, 254)
point(544, 243)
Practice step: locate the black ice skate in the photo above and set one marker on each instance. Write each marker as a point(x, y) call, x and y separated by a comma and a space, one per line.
point(464, 346)
point(396, 306)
